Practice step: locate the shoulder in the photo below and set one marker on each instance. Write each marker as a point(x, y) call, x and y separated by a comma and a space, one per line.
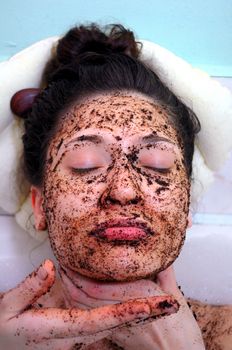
point(215, 322)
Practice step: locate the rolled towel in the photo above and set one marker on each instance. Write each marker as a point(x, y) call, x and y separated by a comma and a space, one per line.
point(13, 186)
point(21, 71)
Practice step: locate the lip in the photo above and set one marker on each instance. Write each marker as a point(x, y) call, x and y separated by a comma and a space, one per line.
point(121, 230)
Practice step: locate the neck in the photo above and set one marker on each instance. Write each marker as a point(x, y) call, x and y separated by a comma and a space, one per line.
point(85, 293)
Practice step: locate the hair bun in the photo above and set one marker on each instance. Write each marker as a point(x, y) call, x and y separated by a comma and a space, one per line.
point(80, 43)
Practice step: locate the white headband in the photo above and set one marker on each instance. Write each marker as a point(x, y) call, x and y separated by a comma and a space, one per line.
point(211, 102)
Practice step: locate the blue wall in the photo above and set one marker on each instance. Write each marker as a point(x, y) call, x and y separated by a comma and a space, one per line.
point(199, 31)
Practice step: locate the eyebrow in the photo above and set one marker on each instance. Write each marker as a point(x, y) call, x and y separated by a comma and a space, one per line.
point(92, 138)
point(96, 139)
point(152, 138)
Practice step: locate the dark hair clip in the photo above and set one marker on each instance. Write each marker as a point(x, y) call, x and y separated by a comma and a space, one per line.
point(22, 101)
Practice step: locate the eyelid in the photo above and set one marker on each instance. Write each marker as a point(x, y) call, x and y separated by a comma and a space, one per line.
point(93, 162)
point(156, 158)
point(87, 158)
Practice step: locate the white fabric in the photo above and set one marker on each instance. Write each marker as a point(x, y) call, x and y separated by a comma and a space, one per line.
point(207, 98)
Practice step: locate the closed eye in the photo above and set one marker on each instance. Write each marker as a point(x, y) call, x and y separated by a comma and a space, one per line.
point(159, 170)
point(84, 170)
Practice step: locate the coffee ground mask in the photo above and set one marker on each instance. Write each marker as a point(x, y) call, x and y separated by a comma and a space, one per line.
point(116, 192)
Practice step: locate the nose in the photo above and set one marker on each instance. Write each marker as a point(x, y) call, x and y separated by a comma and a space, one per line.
point(123, 188)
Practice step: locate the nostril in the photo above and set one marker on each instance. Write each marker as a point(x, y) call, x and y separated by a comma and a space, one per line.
point(110, 200)
point(107, 200)
point(134, 201)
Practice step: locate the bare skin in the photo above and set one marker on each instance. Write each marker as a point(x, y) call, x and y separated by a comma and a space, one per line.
point(173, 333)
point(25, 324)
point(214, 321)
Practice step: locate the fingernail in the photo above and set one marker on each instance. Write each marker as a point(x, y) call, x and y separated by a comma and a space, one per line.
point(42, 273)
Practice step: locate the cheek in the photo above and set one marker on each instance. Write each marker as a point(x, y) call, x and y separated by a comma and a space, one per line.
point(169, 200)
point(165, 193)
point(69, 196)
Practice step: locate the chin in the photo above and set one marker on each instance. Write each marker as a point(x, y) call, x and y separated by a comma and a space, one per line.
point(121, 263)
point(116, 273)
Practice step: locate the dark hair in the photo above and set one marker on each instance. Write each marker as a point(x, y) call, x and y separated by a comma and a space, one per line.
point(89, 60)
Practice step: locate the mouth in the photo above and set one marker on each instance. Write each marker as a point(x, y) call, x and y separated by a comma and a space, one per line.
point(122, 230)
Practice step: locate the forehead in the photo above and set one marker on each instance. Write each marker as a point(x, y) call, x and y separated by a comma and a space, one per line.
point(119, 112)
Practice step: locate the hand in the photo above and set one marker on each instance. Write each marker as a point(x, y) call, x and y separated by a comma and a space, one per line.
point(25, 327)
point(179, 331)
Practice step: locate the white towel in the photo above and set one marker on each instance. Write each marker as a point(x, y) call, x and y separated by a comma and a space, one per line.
point(211, 102)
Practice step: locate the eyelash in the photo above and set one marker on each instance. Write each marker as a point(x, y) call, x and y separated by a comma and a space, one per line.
point(88, 170)
point(159, 170)
point(83, 170)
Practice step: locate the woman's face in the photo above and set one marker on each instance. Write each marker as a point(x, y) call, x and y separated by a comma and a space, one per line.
point(116, 193)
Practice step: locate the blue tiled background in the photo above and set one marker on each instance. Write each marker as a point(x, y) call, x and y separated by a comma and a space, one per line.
point(199, 31)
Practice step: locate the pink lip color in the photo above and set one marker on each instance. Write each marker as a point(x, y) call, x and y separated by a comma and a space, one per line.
point(122, 233)
point(121, 230)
